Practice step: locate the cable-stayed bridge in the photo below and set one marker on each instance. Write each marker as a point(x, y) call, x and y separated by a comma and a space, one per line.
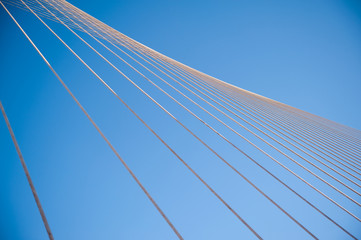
point(314, 160)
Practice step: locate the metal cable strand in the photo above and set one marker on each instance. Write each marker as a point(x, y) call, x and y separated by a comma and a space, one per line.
point(326, 196)
point(97, 128)
point(153, 56)
point(275, 134)
point(307, 125)
point(217, 195)
point(286, 112)
point(357, 139)
point(309, 135)
point(223, 159)
point(238, 148)
point(342, 193)
point(243, 110)
point(263, 114)
point(32, 187)
point(208, 127)
point(315, 188)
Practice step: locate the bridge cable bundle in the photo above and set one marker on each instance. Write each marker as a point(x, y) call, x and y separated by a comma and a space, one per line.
point(320, 149)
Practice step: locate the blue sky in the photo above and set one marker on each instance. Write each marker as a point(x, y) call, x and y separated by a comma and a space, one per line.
point(306, 54)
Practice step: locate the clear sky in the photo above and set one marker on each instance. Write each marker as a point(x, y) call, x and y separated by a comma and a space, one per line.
point(303, 53)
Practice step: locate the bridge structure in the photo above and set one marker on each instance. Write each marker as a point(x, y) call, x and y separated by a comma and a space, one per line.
point(316, 160)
